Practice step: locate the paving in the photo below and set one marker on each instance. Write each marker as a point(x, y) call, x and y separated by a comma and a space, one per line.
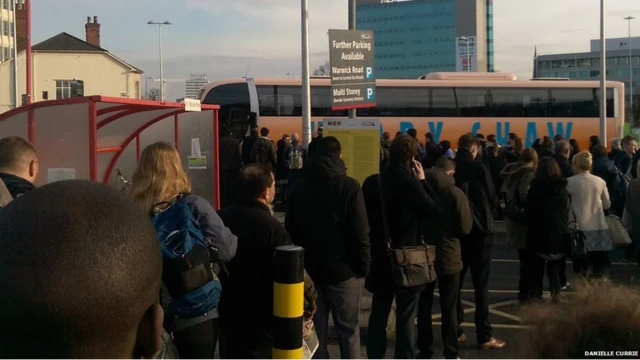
point(505, 311)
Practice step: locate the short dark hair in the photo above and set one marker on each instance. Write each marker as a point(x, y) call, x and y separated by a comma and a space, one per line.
point(528, 156)
point(264, 132)
point(429, 136)
point(404, 148)
point(15, 153)
point(254, 180)
point(548, 169)
point(445, 164)
point(558, 137)
point(513, 136)
point(386, 135)
point(627, 139)
point(491, 138)
point(480, 136)
point(599, 151)
point(445, 144)
point(75, 280)
point(413, 133)
point(255, 131)
point(467, 141)
point(329, 145)
point(562, 147)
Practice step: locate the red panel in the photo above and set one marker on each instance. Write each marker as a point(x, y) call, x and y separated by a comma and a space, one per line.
point(216, 158)
point(165, 104)
point(43, 104)
point(120, 115)
point(176, 132)
point(109, 149)
point(114, 109)
point(124, 145)
point(93, 141)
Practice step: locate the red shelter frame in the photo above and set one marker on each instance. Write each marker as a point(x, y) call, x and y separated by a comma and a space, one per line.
point(122, 121)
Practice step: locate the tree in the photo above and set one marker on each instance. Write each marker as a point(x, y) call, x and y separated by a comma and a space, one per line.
point(153, 94)
point(323, 70)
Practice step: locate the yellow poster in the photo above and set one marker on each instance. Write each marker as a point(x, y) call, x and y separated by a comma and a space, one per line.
point(360, 142)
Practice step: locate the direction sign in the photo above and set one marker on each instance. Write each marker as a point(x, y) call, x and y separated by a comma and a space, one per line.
point(352, 60)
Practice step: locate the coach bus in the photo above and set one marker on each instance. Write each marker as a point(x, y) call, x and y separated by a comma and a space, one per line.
point(444, 104)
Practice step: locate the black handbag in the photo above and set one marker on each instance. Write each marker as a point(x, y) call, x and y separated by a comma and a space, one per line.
point(410, 265)
point(514, 210)
point(576, 237)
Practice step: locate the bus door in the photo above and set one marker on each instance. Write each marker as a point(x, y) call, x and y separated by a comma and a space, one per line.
point(240, 122)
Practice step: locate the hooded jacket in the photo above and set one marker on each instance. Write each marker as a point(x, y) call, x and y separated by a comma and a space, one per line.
point(517, 181)
point(547, 212)
point(327, 216)
point(455, 222)
point(16, 185)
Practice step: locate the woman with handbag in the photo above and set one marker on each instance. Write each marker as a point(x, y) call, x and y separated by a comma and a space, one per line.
point(589, 200)
point(518, 177)
point(546, 210)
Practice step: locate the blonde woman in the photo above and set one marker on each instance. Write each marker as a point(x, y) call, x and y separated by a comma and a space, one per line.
point(590, 198)
point(160, 177)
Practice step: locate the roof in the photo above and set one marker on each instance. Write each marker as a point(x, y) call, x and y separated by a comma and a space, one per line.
point(65, 42)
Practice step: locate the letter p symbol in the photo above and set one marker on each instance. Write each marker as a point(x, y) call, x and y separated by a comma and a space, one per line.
point(370, 95)
point(369, 72)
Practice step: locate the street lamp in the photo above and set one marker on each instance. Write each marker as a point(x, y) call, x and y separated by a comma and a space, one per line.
point(160, 23)
point(466, 40)
point(603, 76)
point(629, 18)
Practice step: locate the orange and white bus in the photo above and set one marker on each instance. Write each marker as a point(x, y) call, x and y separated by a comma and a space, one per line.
point(444, 104)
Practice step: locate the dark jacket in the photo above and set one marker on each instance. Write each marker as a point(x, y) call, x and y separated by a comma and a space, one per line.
point(606, 170)
point(408, 203)
point(271, 155)
point(455, 223)
point(230, 159)
point(16, 185)
point(326, 215)
point(247, 295)
point(475, 176)
point(565, 165)
point(432, 154)
point(623, 160)
point(247, 145)
point(547, 212)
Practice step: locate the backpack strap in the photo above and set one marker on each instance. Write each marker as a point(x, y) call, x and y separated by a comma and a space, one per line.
point(163, 205)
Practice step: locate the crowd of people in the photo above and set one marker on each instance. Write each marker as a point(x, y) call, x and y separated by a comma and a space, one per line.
point(85, 273)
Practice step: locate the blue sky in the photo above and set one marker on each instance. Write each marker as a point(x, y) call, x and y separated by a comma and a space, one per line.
point(228, 38)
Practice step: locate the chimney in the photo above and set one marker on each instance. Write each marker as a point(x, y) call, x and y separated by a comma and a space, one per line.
point(92, 30)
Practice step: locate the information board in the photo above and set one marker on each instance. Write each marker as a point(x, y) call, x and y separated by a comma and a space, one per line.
point(360, 142)
point(352, 61)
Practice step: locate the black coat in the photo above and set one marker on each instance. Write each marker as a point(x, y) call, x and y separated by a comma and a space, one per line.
point(606, 170)
point(16, 185)
point(408, 202)
point(565, 166)
point(482, 194)
point(327, 216)
point(547, 213)
point(247, 145)
point(230, 158)
point(455, 223)
point(251, 270)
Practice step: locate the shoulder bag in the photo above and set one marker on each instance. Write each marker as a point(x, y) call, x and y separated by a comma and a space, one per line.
point(410, 265)
point(619, 233)
point(514, 210)
point(576, 237)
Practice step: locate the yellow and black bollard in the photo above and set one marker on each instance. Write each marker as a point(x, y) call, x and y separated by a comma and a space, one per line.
point(288, 302)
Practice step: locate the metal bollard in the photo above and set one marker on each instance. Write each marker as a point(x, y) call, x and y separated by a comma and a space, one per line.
point(288, 302)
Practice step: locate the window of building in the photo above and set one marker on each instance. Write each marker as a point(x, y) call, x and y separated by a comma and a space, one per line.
point(5, 4)
point(45, 95)
point(63, 89)
point(584, 62)
point(5, 28)
point(623, 60)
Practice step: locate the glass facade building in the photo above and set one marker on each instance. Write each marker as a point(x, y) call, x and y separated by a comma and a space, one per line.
point(416, 37)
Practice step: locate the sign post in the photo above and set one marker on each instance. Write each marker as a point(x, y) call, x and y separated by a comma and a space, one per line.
point(352, 60)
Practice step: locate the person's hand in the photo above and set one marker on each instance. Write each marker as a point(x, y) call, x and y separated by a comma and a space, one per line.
point(308, 314)
point(419, 171)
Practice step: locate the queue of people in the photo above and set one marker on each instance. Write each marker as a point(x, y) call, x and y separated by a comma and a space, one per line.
point(125, 293)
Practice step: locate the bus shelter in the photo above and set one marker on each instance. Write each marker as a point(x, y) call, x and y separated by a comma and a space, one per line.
point(99, 138)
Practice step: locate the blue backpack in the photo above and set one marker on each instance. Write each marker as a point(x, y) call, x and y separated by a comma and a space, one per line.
point(188, 260)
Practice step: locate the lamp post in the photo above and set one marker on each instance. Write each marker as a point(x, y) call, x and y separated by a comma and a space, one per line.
point(629, 18)
point(160, 23)
point(603, 76)
point(306, 81)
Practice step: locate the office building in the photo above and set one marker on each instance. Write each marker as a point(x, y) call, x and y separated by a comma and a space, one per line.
point(194, 84)
point(586, 65)
point(416, 37)
point(8, 19)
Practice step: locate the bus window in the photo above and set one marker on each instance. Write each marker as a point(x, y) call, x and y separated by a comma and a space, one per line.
point(443, 102)
point(268, 103)
point(574, 103)
point(401, 102)
point(229, 96)
point(472, 102)
point(321, 102)
point(518, 102)
point(289, 100)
